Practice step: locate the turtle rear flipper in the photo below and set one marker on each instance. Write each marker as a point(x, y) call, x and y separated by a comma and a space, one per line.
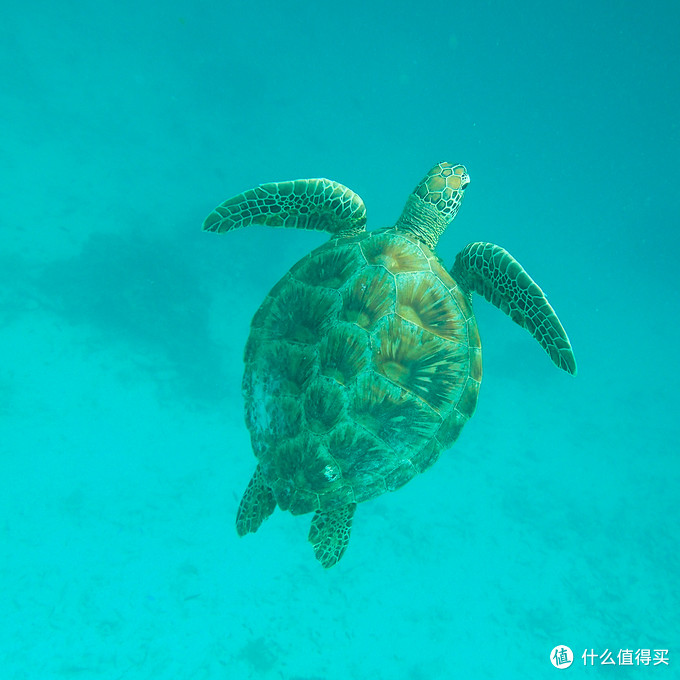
point(329, 533)
point(491, 271)
point(256, 505)
point(317, 204)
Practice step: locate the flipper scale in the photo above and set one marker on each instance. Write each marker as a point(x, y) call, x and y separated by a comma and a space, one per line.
point(492, 272)
point(316, 204)
point(256, 505)
point(329, 533)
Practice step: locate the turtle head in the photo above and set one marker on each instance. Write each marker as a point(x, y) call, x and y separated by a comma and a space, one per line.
point(434, 202)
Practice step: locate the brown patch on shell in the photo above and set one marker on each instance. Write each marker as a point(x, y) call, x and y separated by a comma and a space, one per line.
point(368, 298)
point(422, 363)
point(396, 254)
point(425, 301)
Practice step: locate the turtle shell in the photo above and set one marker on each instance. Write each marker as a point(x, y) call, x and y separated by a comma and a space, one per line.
point(362, 365)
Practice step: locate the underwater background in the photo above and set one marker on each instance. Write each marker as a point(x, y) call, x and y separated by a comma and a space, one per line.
point(123, 450)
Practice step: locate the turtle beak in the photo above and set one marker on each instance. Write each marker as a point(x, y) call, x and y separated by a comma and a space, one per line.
point(464, 181)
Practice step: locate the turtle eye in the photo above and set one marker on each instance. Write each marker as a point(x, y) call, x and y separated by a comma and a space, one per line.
point(461, 171)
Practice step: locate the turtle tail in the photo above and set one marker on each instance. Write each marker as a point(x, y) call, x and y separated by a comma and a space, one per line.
point(492, 272)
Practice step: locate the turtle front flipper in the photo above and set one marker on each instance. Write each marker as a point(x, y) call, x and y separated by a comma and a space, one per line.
point(317, 204)
point(256, 505)
point(329, 534)
point(491, 271)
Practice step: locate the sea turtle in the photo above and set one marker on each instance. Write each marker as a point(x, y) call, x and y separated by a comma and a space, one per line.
point(364, 361)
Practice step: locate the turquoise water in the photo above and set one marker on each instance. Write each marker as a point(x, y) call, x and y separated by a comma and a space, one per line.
point(123, 452)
